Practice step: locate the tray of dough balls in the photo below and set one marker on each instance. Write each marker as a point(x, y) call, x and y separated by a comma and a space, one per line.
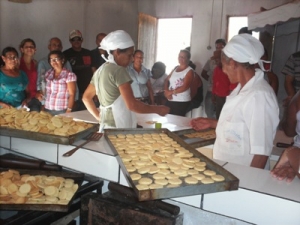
point(197, 138)
point(158, 164)
point(42, 126)
point(38, 190)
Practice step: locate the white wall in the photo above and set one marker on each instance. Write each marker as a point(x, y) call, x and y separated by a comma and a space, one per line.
point(43, 19)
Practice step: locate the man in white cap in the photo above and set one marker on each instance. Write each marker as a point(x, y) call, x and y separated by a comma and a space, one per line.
point(111, 82)
point(81, 61)
point(248, 121)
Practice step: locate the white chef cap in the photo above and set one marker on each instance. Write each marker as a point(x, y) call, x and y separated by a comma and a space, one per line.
point(118, 39)
point(244, 48)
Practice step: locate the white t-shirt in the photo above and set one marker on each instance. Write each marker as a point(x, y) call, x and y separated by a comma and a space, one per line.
point(248, 122)
point(176, 81)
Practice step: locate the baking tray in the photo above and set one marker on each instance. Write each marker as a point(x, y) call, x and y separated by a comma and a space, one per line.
point(195, 142)
point(230, 183)
point(52, 138)
point(77, 177)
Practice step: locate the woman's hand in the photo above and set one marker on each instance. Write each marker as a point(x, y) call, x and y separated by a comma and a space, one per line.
point(203, 123)
point(168, 94)
point(283, 169)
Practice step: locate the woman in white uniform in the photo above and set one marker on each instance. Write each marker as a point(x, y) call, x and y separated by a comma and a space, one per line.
point(111, 83)
point(288, 165)
point(248, 121)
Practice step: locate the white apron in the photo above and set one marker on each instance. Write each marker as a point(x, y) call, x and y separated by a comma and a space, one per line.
point(124, 118)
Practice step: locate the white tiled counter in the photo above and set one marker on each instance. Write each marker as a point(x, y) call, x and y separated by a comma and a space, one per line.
point(259, 200)
point(37, 149)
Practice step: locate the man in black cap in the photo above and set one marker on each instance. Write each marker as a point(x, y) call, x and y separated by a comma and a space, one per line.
point(81, 61)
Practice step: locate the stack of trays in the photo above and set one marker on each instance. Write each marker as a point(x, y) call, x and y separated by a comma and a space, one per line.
point(158, 164)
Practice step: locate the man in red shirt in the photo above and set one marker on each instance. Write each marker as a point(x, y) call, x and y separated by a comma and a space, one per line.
point(221, 84)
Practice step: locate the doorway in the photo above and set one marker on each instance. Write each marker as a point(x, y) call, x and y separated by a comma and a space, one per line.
point(172, 36)
point(162, 39)
point(235, 23)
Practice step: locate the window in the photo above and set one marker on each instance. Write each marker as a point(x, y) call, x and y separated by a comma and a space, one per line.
point(172, 36)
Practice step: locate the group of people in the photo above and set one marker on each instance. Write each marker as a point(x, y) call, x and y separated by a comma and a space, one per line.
point(248, 113)
point(181, 90)
point(55, 83)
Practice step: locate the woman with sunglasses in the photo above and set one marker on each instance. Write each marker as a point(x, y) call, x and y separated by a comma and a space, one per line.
point(60, 85)
point(14, 90)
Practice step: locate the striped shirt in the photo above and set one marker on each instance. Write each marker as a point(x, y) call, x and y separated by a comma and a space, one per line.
point(292, 68)
point(57, 94)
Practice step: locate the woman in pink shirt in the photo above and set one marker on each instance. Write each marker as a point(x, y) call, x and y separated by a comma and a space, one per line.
point(60, 85)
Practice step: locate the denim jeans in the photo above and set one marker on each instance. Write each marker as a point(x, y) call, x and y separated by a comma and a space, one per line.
point(209, 105)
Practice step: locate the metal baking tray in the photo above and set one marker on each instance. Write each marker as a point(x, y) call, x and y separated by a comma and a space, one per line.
point(230, 183)
point(52, 138)
point(77, 177)
point(197, 141)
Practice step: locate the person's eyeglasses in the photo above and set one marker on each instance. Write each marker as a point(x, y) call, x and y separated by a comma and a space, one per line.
point(54, 59)
point(12, 57)
point(76, 39)
point(32, 47)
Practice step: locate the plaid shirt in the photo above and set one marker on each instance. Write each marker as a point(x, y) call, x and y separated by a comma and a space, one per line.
point(292, 68)
point(57, 94)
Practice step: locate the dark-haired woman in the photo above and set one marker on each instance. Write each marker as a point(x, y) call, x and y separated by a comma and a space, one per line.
point(111, 82)
point(178, 85)
point(13, 82)
point(28, 64)
point(60, 85)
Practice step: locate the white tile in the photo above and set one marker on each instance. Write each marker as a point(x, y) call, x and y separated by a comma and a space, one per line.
point(42, 150)
point(195, 216)
point(99, 146)
point(253, 207)
point(5, 141)
point(123, 180)
point(90, 162)
point(194, 200)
